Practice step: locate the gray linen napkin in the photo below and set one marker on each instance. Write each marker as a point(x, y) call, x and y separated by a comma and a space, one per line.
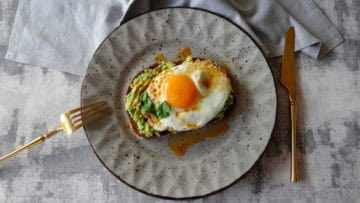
point(63, 35)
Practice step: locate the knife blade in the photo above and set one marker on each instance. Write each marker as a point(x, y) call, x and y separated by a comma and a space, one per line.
point(288, 79)
point(288, 64)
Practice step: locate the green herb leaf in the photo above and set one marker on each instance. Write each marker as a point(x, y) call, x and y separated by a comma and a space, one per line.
point(163, 111)
point(132, 111)
point(147, 105)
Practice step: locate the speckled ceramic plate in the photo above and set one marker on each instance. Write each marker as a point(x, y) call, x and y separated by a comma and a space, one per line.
point(148, 165)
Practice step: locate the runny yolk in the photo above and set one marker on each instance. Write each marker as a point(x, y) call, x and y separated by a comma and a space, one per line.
point(181, 91)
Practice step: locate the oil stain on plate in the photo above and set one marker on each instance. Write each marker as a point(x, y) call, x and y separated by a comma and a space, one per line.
point(180, 143)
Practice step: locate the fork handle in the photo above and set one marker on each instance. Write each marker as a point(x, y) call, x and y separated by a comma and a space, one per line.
point(33, 143)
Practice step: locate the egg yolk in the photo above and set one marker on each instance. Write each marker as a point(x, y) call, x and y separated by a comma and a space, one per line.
point(181, 91)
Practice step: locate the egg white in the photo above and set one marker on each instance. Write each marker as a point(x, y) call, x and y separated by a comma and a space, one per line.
point(212, 100)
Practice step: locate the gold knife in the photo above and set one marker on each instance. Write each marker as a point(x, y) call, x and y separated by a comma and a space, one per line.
point(288, 79)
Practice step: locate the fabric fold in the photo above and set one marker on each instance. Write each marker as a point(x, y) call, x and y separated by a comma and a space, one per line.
point(63, 35)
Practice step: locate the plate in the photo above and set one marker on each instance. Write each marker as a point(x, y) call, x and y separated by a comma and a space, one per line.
point(148, 165)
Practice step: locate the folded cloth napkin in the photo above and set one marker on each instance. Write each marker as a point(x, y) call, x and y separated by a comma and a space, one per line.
point(63, 35)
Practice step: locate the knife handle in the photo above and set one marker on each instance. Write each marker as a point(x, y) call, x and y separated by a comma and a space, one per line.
point(294, 176)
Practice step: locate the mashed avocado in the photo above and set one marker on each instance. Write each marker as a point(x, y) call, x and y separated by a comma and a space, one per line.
point(138, 103)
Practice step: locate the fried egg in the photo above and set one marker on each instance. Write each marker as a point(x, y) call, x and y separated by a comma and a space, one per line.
point(196, 91)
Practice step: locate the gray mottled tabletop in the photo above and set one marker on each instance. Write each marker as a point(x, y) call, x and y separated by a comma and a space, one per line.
point(66, 169)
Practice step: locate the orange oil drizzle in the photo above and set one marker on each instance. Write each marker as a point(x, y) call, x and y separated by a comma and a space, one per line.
point(183, 53)
point(159, 58)
point(180, 143)
point(180, 55)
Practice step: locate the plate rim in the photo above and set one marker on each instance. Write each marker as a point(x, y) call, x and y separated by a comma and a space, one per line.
point(235, 180)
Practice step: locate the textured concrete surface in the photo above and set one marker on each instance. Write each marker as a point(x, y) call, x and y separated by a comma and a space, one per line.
point(66, 169)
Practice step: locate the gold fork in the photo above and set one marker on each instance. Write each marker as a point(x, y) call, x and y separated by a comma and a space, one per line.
point(69, 122)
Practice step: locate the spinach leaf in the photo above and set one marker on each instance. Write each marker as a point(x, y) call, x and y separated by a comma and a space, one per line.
point(163, 111)
point(132, 111)
point(147, 105)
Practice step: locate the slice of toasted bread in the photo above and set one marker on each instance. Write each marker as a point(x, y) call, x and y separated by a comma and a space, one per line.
point(133, 124)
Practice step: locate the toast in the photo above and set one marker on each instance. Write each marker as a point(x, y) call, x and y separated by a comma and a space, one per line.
point(133, 124)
